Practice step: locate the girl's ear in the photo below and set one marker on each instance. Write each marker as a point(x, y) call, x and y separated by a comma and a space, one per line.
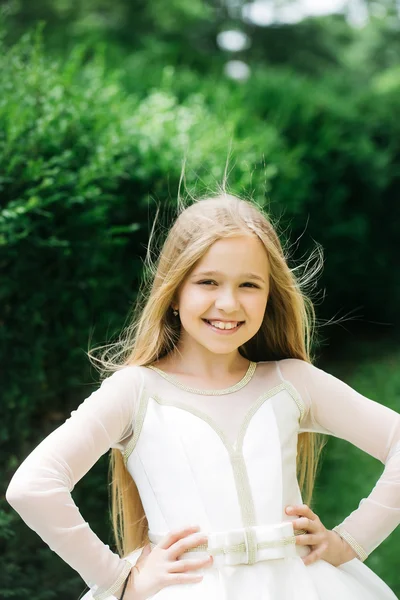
point(174, 302)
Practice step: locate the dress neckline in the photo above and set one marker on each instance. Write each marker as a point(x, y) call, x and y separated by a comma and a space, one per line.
point(233, 388)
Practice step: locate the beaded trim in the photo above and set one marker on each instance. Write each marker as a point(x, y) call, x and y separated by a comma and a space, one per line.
point(144, 398)
point(240, 547)
point(233, 388)
point(140, 416)
point(362, 555)
point(237, 446)
point(297, 398)
point(116, 585)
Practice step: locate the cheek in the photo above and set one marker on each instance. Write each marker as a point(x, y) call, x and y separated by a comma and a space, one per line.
point(195, 301)
point(256, 306)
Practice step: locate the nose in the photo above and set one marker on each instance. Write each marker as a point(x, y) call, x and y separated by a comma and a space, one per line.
point(227, 301)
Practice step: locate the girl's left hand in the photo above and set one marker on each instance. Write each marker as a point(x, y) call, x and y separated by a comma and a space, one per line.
point(325, 544)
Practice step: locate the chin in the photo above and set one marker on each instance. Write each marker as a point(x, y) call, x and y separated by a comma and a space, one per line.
point(223, 348)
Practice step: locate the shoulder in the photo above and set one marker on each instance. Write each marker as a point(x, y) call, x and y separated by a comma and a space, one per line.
point(297, 374)
point(293, 367)
point(288, 369)
point(128, 379)
point(292, 362)
point(302, 374)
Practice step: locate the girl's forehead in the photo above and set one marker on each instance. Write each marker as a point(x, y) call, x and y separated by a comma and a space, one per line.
point(235, 255)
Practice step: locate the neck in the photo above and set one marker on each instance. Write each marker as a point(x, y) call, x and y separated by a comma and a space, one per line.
point(206, 365)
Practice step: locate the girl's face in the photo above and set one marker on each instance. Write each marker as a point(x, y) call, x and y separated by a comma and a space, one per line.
point(223, 299)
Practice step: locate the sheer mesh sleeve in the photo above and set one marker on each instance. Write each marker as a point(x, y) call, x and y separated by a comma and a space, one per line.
point(40, 490)
point(335, 408)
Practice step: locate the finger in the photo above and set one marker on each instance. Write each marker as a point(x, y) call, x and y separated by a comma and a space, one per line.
point(306, 523)
point(303, 510)
point(175, 535)
point(187, 543)
point(314, 555)
point(308, 540)
point(182, 566)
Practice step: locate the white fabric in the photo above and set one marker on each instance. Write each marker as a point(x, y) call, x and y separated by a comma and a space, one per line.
point(183, 467)
point(336, 409)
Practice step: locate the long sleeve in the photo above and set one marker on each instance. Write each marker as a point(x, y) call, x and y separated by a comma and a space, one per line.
point(40, 490)
point(334, 408)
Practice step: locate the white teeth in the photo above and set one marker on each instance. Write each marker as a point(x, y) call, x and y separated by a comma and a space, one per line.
point(222, 325)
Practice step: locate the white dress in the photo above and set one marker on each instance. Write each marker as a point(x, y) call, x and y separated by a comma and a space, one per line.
point(225, 460)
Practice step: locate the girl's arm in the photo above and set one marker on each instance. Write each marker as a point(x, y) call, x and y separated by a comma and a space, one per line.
point(334, 408)
point(41, 488)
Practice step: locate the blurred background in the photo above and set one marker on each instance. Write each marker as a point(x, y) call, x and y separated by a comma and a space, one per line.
point(100, 102)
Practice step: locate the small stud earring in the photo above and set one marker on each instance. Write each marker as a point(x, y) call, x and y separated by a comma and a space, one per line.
point(175, 312)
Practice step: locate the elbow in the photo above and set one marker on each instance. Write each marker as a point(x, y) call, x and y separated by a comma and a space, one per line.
point(31, 485)
point(23, 487)
point(17, 492)
point(35, 483)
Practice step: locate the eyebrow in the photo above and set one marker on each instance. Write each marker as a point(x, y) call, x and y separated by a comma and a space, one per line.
point(216, 273)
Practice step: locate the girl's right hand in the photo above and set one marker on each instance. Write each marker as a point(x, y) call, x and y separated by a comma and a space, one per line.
point(160, 567)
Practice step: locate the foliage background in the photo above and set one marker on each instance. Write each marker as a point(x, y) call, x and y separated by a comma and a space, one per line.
point(99, 104)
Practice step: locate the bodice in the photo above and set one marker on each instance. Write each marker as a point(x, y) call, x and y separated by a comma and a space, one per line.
point(190, 468)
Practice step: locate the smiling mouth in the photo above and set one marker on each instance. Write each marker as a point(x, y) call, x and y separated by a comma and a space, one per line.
point(224, 326)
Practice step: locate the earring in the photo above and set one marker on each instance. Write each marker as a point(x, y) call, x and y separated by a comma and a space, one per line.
point(175, 312)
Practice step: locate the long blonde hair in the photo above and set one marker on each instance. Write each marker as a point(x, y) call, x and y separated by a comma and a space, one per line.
point(286, 332)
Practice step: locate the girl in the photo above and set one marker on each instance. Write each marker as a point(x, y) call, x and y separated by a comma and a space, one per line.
point(212, 402)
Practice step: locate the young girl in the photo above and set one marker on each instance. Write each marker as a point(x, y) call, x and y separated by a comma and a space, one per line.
point(211, 405)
